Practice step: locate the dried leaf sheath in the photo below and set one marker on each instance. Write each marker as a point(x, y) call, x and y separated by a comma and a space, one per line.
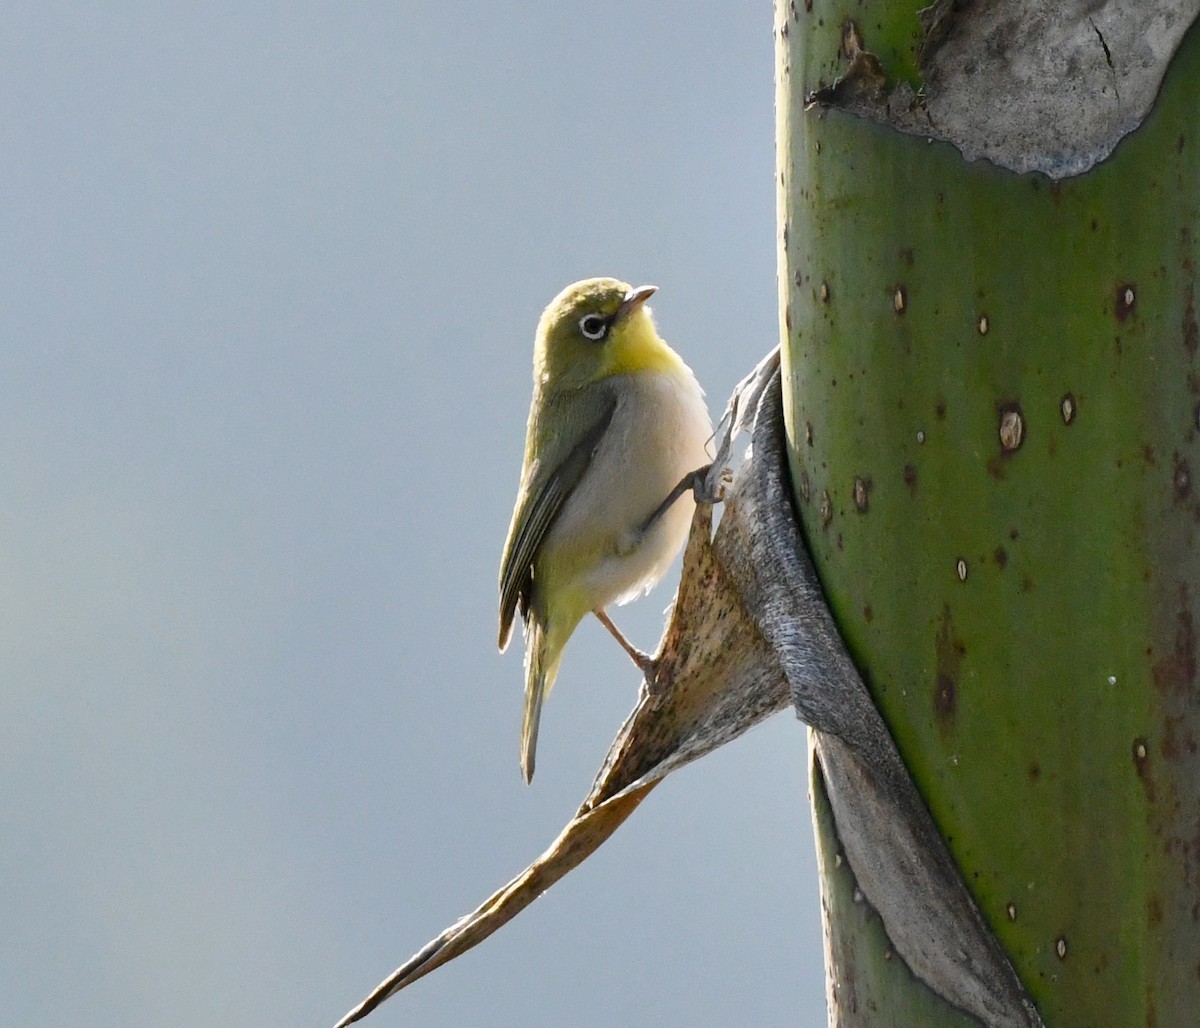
point(748, 632)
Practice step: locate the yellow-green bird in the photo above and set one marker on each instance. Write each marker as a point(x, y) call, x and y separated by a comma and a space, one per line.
point(617, 423)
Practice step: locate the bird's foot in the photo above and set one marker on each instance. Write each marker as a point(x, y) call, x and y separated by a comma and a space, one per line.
point(650, 684)
point(710, 482)
point(704, 485)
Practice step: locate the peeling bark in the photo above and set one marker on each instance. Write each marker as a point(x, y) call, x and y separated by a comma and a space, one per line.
point(1030, 85)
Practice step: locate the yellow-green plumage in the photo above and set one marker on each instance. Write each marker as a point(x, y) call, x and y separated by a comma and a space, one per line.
point(617, 420)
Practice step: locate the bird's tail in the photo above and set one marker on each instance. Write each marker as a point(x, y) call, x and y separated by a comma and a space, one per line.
point(541, 667)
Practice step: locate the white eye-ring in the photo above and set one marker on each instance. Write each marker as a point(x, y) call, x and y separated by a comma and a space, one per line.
point(593, 326)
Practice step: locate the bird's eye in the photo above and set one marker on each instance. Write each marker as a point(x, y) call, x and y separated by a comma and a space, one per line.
point(593, 326)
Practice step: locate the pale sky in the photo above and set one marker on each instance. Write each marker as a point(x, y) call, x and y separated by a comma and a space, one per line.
point(270, 279)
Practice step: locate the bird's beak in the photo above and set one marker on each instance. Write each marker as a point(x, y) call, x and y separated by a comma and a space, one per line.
point(633, 300)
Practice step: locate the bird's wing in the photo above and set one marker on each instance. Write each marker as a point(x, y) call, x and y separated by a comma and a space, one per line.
point(549, 481)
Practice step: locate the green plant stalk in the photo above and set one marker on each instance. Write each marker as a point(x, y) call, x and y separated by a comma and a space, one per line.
point(993, 398)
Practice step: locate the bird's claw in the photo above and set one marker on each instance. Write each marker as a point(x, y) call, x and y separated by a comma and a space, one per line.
point(710, 483)
point(649, 686)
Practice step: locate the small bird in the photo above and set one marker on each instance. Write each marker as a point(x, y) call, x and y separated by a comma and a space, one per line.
point(617, 424)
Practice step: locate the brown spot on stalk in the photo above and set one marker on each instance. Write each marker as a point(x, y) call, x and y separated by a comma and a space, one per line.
point(1176, 672)
point(944, 700)
point(863, 80)
point(1191, 331)
point(950, 652)
point(862, 494)
point(1012, 427)
point(1181, 478)
point(1141, 764)
point(1126, 301)
point(1154, 910)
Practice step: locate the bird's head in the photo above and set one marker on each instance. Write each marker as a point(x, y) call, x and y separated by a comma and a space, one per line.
point(596, 328)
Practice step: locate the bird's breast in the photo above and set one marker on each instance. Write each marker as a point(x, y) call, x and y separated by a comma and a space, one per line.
point(659, 432)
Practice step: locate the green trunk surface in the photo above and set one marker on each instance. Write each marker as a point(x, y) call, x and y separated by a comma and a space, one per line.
point(993, 397)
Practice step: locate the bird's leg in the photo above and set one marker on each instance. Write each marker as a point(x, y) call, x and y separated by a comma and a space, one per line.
point(644, 661)
point(694, 482)
point(697, 482)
